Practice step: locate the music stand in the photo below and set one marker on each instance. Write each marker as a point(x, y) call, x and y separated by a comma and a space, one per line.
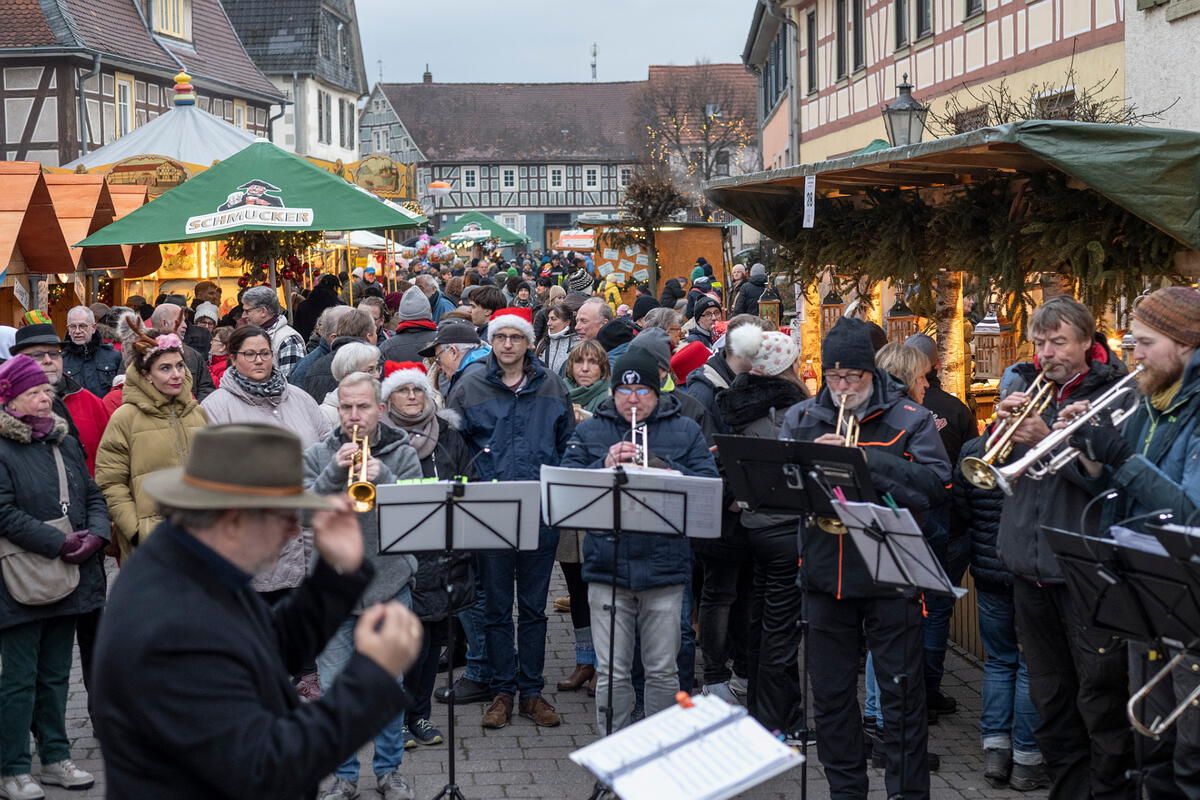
point(1096, 580)
point(793, 478)
point(452, 516)
point(627, 501)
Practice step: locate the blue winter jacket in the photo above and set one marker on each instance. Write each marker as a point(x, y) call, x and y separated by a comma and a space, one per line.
point(644, 561)
point(523, 429)
point(439, 304)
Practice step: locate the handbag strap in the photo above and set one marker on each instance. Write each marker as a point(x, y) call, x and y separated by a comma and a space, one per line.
point(64, 492)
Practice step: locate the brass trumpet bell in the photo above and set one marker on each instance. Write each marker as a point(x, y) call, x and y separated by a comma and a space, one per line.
point(360, 490)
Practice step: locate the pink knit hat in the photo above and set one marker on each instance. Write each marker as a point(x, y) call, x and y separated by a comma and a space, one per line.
point(18, 375)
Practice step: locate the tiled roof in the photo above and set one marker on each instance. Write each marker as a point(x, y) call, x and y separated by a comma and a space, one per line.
point(217, 54)
point(741, 81)
point(518, 121)
point(114, 27)
point(24, 25)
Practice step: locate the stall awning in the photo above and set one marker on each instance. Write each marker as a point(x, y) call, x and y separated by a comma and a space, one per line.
point(473, 227)
point(1153, 173)
point(84, 206)
point(28, 221)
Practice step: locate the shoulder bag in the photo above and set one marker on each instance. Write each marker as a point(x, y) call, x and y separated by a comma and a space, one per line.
point(33, 579)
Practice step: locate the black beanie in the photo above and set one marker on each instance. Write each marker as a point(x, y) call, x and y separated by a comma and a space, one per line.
point(614, 334)
point(848, 346)
point(637, 367)
point(703, 303)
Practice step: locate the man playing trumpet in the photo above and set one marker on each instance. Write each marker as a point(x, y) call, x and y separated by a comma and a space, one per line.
point(906, 459)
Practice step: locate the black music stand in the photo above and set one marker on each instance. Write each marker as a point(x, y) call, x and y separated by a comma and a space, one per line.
point(1095, 577)
point(793, 478)
point(450, 517)
point(608, 502)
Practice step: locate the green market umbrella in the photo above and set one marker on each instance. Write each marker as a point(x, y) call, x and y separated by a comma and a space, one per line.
point(474, 227)
point(260, 188)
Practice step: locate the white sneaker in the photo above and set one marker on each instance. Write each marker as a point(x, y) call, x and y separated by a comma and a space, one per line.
point(740, 687)
point(393, 787)
point(21, 787)
point(722, 691)
point(66, 775)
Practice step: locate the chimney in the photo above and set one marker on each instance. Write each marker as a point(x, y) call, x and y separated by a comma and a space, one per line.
point(428, 76)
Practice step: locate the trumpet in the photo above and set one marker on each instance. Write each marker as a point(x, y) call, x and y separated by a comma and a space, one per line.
point(1160, 724)
point(639, 436)
point(985, 475)
point(360, 490)
point(847, 428)
point(981, 470)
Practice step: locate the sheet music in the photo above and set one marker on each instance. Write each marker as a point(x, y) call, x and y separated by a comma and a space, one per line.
point(1134, 540)
point(653, 501)
point(905, 557)
point(711, 751)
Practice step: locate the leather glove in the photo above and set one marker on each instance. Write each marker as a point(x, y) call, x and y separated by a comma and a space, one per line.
point(88, 546)
point(1102, 444)
point(71, 541)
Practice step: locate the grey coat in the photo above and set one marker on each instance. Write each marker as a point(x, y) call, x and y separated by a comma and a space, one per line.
point(398, 461)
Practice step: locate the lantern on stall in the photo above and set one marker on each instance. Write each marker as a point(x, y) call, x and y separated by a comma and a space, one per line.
point(901, 320)
point(995, 345)
point(832, 307)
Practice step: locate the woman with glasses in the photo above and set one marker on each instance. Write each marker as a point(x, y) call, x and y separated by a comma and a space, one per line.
point(152, 429)
point(350, 357)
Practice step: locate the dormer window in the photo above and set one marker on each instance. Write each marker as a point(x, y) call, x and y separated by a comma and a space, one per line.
point(172, 18)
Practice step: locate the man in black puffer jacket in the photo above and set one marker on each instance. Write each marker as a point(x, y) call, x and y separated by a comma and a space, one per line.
point(750, 292)
point(906, 459)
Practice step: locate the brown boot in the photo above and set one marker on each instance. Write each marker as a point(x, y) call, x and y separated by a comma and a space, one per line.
point(582, 674)
point(499, 713)
point(540, 711)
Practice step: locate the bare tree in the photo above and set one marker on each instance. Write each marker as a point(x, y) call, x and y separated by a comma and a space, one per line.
point(699, 122)
point(651, 200)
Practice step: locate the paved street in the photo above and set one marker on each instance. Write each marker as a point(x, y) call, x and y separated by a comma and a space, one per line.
point(525, 761)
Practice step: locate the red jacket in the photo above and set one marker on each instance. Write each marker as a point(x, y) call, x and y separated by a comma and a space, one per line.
point(216, 367)
point(90, 417)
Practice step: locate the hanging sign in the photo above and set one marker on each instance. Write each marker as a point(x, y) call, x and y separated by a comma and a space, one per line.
point(810, 199)
point(21, 293)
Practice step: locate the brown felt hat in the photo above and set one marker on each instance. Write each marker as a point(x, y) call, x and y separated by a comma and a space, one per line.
point(237, 466)
point(1173, 311)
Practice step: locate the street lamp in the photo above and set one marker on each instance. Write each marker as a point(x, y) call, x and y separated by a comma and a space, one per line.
point(904, 117)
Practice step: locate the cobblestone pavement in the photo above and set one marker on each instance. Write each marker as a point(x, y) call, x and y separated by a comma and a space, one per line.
point(525, 761)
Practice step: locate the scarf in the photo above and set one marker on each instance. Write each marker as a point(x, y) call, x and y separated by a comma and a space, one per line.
point(585, 396)
point(39, 427)
point(272, 388)
point(1162, 399)
point(422, 429)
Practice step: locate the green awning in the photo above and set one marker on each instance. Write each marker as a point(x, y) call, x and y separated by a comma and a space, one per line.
point(474, 227)
point(260, 188)
point(1153, 173)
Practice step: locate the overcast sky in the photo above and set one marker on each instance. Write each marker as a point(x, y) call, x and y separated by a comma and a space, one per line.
point(546, 40)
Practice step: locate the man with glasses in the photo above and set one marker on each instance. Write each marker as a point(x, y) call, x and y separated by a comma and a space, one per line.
point(707, 314)
point(651, 571)
point(260, 306)
point(86, 358)
point(516, 416)
point(906, 459)
point(456, 347)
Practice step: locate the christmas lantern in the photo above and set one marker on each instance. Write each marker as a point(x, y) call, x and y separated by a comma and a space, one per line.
point(995, 345)
point(901, 320)
point(832, 307)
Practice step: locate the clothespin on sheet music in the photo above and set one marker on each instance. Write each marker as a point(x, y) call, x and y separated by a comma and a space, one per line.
point(684, 700)
point(839, 494)
point(891, 503)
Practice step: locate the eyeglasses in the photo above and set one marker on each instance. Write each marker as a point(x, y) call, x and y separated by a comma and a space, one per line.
point(712, 313)
point(626, 391)
point(81, 327)
point(508, 338)
point(255, 355)
point(410, 390)
point(44, 355)
point(849, 378)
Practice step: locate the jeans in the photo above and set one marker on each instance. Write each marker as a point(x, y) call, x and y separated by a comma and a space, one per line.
point(517, 663)
point(1008, 719)
point(774, 642)
point(652, 613)
point(871, 701)
point(478, 669)
point(389, 742)
point(35, 674)
point(724, 615)
point(955, 555)
point(685, 661)
point(892, 628)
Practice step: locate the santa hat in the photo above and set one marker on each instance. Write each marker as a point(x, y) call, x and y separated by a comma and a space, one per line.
point(391, 366)
point(409, 376)
point(511, 318)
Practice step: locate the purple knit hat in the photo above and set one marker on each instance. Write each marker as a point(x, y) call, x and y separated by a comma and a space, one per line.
point(18, 375)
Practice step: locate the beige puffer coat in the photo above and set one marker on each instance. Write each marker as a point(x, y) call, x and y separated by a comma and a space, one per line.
point(148, 432)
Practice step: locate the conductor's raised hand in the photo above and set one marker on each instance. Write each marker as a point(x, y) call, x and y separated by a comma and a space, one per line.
point(337, 535)
point(390, 635)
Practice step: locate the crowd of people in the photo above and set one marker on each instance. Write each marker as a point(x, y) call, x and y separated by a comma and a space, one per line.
point(256, 624)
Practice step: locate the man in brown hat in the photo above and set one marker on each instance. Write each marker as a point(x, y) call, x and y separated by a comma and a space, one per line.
point(1154, 462)
point(194, 668)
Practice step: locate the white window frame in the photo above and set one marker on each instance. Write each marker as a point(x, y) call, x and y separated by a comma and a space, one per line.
point(593, 186)
point(124, 117)
point(505, 172)
point(562, 178)
point(173, 18)
point(622, 181)
point(240, 117)
point(473, 184)
point(514, 222)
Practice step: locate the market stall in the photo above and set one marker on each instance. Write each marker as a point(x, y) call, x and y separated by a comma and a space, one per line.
point(479, 234)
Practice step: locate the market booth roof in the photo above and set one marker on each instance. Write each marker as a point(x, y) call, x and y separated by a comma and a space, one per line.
point(476, 227)
point(261, 188)
point(1153, 173)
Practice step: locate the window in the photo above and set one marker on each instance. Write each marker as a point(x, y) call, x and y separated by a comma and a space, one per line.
point(860, 34)
point(839, 38)
point(591, 177)
point(773, 79)
point(508, 177)
point(514, 222)
point(557, 178)
point(380, 141)
point(810, 44)
point(470, 179)
point(721, 164)
point(173, 18)
point(345, 123)
point(901, 11)
point(1060, 105)
point(712, 110)
point(974, 7)
point(970, 120)
point(324, 117)
point(124, 92)
point(624, 176)
point(924, 18)
point(239, 113)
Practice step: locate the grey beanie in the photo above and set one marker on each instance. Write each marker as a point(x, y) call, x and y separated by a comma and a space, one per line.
point(414, 305)
point(656, 342)
point(758, 271)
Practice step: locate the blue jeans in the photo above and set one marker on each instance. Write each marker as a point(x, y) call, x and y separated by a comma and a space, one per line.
point(1009, 717)
point(517, 664)
point(478, 669)
point(389, 742)
point(871, 704)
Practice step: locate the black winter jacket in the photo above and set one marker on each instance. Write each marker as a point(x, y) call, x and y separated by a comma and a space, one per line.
point(29, 497)
point(643, 305)
point(749, 294)
point(319, 380)
point(672, 293)
point(92, 365)
point(705, 383)
point(955, 421)
point(978, 512)
point(906, 459)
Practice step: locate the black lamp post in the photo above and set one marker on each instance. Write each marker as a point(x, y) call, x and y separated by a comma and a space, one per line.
point(905, 117)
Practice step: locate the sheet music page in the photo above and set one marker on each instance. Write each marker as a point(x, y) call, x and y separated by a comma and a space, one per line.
point(1135, 540)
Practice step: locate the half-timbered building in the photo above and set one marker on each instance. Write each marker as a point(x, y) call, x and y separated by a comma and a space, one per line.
point(78, 74)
